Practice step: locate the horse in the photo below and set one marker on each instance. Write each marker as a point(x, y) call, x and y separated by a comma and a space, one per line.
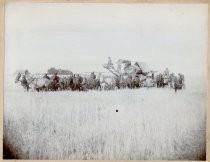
point(25, 82)
point(128, 81)
point(165, 80)
point(122, 82)
point(159, 81)
point(62, 83)
point(181, 79)
point(42, 84)
point(29, 82)
point(107, 83)
point(149, 82)
point(93, 84)
point(135, 82)
point(76, 83)
point(69, 82)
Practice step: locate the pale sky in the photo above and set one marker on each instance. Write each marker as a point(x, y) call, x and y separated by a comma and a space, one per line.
point(80, 37)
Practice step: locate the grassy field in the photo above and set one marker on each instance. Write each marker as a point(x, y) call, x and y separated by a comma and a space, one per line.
point(151, 124)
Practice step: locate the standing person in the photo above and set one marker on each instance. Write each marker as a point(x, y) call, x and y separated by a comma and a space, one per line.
point(24, 83)
point(153, 75)
point(166, 76)
point(119, 68)
point(92, 75)
point(172, 80)
point(29, 77)
point(26, 74)
point(127, 66)
point(176, 84)
point(166, 72)
point(110, 64)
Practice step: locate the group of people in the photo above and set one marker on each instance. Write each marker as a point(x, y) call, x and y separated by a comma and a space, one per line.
point(171, 80)
point(100, 82)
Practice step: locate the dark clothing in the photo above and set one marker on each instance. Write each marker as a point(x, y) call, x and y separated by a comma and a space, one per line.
point(25, 83)
point(153, 77)
point(138, 72)
point(94, 76)
point(56, 79)
point(47, 77)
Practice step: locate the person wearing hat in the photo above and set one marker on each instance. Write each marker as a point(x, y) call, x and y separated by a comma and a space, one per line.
point(24, 82)
point(46, 76)
point(27, 74)
point(92, 75)
point(110, 61)
point(166, 72)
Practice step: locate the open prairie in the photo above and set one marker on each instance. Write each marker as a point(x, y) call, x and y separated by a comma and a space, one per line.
point(151, 124)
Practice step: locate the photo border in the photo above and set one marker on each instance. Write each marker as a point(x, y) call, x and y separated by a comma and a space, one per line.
point(2, 50)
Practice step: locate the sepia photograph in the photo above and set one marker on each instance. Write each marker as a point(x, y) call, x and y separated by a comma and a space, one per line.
point(105, 81)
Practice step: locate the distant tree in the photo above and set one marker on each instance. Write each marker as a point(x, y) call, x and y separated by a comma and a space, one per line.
point(52, 70)
point(59, 71)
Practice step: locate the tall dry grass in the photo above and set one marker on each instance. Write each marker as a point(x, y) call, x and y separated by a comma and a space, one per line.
point(151, 124)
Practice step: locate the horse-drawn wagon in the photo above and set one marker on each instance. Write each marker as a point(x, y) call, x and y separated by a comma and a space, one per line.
point(125, 75)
